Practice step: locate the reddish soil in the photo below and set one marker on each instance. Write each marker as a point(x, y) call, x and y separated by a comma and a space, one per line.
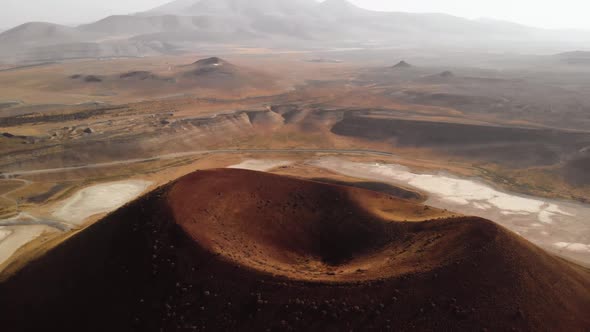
point(236, 250)
point(304, 230)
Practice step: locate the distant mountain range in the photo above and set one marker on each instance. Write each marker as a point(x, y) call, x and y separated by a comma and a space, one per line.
point(575, 57)
point(185, 25)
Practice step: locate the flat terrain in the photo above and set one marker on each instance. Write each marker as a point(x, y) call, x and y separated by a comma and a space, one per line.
point(99, 199)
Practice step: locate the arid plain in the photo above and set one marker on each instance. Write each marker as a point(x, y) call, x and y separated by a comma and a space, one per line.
point(75, 130)
point(503, 139)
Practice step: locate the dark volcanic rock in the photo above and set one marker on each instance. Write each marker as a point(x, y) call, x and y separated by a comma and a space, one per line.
point(195, 255)
point(402, 64)
point(209, 61)
point(138, 75)
point(92, 79)
point(447, 74)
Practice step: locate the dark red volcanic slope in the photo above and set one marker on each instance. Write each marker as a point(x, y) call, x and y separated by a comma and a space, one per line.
point(233, 250)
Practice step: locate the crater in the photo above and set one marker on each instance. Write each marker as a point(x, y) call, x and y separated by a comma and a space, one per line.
point(310, 230)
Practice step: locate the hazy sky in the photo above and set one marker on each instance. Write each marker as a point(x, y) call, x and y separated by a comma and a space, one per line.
point(540, 13)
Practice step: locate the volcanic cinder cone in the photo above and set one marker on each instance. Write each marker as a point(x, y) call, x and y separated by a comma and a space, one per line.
point(236, 250)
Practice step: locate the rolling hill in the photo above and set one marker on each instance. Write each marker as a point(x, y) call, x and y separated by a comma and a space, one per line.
point(208, 74)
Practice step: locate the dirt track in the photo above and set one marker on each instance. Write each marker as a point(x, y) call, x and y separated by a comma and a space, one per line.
point(9, 175)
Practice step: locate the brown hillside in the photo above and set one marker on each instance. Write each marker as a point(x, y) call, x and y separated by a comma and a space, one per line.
point(237, 250)
point(216, 73)
point(212, 75)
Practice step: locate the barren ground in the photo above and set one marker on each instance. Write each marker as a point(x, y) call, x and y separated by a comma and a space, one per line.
point(241, 250)
point(521, 132)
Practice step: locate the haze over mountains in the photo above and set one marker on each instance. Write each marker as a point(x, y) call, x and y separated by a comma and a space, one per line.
point(187, 25)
